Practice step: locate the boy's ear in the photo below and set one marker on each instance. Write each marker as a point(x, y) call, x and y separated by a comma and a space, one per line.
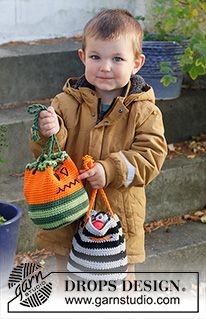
point(138, 63)
point(81, 55)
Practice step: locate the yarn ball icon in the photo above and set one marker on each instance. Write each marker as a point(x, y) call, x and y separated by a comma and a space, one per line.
point(30, 285)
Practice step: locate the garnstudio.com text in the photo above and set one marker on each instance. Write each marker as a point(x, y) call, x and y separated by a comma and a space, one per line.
point(124, 300)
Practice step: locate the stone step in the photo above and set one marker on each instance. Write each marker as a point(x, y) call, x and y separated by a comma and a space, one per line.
point(185, 116)
point(38, 70)
point(176, 191)
point(18, 122)
point(176, 248)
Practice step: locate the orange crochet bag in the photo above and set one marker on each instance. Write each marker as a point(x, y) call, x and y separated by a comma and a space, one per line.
point(52, 190)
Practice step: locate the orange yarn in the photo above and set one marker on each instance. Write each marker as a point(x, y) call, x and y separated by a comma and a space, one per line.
point(50, 184)
point(101, 238)
point(88, 163)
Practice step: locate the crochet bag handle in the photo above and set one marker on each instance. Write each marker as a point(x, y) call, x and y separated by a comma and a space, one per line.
point(88, 163)
point(35, 110)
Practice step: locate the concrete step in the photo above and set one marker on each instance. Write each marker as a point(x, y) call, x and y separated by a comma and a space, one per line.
point(38, 70)
point(17, 123)
point(176, 248)
point(185, 116)
point(176, 191)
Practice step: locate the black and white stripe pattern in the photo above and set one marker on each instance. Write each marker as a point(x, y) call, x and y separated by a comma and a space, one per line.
point(99, 254)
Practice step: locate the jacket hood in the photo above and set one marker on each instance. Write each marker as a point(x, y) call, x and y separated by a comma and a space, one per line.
point(136, 90)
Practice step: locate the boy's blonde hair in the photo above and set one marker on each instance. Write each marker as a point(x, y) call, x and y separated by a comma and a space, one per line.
point(110, 24)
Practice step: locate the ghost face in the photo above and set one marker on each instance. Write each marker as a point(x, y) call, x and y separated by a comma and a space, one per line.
point(99, 219)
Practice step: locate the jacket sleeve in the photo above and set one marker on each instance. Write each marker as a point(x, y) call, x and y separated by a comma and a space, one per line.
point(36, 147)
point(140, 164)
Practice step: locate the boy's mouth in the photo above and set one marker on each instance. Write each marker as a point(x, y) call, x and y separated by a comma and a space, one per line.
point(103, 78)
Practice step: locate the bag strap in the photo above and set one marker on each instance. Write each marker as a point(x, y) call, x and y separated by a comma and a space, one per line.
point(88, 163)
point(35, 110)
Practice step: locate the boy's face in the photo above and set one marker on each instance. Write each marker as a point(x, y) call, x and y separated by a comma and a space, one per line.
point(110, 63)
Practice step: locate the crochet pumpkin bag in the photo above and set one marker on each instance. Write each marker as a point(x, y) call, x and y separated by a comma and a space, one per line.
point(54, 194)
point(98, 248)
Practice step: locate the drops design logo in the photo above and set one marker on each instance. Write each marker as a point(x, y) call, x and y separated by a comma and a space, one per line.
point(30, 285)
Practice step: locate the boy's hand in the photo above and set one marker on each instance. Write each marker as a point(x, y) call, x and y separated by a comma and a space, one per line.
point(48, 122)
point(96, 176)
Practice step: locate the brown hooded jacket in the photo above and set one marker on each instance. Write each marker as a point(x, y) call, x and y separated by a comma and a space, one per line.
point(129, 142)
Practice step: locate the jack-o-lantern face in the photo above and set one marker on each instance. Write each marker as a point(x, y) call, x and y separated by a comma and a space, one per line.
point(52, 183)
point(64, 176)
point(63, 171)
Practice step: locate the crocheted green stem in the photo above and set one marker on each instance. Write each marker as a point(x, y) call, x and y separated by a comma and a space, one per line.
point(42, 162)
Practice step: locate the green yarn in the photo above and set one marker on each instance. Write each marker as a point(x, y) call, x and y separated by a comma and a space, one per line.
point(47, 157)
point(45, 161)
point(56, 203)
point(58, 213)
point(35, 109)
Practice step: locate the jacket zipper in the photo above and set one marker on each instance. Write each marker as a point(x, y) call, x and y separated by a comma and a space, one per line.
point(98, 111)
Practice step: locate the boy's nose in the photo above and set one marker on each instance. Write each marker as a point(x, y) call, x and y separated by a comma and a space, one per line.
point(105, 66)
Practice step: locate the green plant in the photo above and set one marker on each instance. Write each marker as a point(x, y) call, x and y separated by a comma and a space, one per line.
point(183, 21)
point(2, 220)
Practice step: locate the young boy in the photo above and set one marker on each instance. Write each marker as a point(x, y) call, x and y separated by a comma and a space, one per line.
point(109, 113)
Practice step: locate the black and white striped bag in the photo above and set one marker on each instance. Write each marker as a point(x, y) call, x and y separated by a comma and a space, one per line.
point(98, 248)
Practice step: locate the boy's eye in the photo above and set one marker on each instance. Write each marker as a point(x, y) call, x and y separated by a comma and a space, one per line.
point(118, 59)
point(94, 57)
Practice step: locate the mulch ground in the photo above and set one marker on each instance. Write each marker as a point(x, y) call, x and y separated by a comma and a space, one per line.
point(198, 216)
point(191, 148)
